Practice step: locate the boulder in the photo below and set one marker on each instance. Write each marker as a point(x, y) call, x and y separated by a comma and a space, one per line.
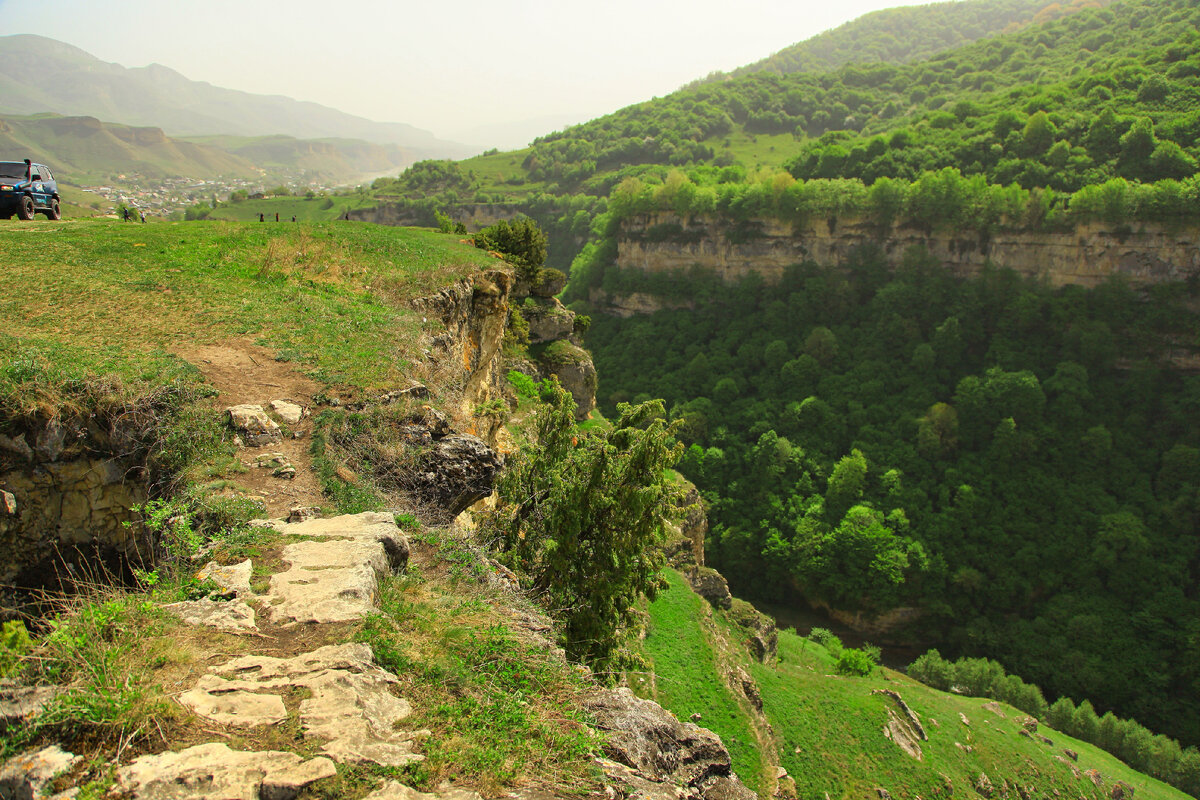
point(398, 791)
point(548, 319)
point(8, 504)
point(648, 739)
point(1121, 791)
point(454, 473)
point(233, 579)
point(711, 585)
point(983, 785)
point(548, 283)
point(253, 425)
point(573, 367)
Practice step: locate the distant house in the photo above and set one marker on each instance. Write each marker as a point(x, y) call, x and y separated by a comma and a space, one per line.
point(258, 196)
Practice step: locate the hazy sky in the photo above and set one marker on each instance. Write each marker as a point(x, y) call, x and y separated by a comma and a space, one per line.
point(449, 67)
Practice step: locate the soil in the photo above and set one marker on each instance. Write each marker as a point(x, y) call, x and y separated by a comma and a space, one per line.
point(242, 372)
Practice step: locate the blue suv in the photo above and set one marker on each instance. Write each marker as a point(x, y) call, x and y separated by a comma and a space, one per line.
point(27, 189)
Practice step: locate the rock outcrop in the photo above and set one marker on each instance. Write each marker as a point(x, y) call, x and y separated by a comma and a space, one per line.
point(474, 312)
point(573, 367)
point(711, 585)
point(1084, 256)
point(658, 750)
point(763, 636)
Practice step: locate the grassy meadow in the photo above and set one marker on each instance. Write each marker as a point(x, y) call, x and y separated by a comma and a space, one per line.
point(101, 297)
point(826, 729)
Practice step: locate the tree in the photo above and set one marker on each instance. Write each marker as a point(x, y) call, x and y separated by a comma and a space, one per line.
point(522, 241)
point(845, 485)
point(582, 516)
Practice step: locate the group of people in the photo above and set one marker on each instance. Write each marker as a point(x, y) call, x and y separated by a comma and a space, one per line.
point(127, 215)
point(263, 217)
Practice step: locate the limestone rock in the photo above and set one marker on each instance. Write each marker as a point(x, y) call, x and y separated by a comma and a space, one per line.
point(8, 504)
point(454, 473)
point(369, 526)
point(209, 771)
point(644, 736)
point(1121, 791)
point(573, 367)
point(548, 319)
point(711, 585)
point(303, 513)
point(764, 636)
point(749, 688)
point(327, 582)
point(994, 707)
point(1071, 754)
point(19, 704)
point(289, 412)
point(26, 775)
point(350, 707)
point(233, 616)
point(1094, 776)
point(398, 791)
point(253, 425)
point(963, 718)
point(983, 785)
point(549, 283)
point(234, 578)
point(1029, 724)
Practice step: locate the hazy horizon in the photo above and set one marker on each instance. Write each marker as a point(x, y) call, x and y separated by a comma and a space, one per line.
point(457, 71)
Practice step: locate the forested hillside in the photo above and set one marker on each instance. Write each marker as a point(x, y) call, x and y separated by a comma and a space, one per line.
point(1099, 93)
point(910, 33)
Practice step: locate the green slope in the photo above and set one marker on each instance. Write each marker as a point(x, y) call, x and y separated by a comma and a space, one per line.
point(826, 729)
point(910, 33)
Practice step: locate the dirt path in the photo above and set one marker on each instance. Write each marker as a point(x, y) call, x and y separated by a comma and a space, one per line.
point(245, 373)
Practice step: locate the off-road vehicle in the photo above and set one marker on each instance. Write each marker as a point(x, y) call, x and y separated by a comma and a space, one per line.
point(27, 189)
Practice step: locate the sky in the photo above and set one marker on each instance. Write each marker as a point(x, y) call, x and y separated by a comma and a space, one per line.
point(469, 71)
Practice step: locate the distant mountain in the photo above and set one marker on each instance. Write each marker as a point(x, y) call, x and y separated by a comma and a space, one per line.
point(43, 75)
point(84, 149)
point(910, 33)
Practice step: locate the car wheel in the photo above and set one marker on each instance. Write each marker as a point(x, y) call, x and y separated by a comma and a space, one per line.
point(54, 211)
point(25, 207)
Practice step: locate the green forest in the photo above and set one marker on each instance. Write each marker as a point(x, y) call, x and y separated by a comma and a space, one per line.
point(1011, 459)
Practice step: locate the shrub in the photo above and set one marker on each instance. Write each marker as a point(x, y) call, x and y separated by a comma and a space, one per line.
point(854, 662)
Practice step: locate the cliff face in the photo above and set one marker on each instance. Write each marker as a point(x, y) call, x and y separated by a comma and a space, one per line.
point(1087, 256)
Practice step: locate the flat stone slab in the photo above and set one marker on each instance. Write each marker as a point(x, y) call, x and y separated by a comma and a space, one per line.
point(215, 772)
point(288, 411)
point(26, 775)
point(20, 704)
point(232, 616)
point(398, 791)
point(332, 575)
point(351, 705)
point(234, 578)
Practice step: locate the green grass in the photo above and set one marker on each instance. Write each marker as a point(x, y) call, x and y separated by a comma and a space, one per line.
point(302, 209)
point(687, 675)
point(828, 728)
point(94, 297)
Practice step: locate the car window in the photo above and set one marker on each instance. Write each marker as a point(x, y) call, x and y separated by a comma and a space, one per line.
point(12, 171)
point(46, 176)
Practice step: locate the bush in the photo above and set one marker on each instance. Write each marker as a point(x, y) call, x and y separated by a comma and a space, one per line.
point(855, 662)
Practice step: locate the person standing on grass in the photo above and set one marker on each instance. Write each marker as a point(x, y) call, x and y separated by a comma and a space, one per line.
point(124, 214)
point(261, 218)
point(143, 215)
point(277, 216)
